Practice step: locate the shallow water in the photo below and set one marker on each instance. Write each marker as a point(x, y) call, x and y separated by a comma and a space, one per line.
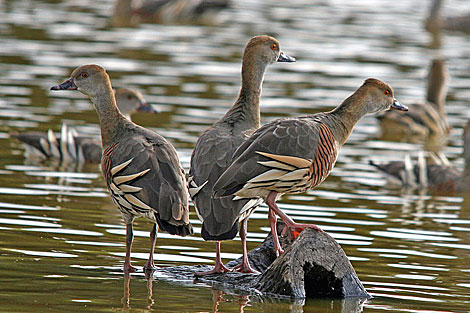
point(62, 240)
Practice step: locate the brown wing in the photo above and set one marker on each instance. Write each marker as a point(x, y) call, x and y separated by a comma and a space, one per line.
point(287, 155)
point(145, 178)
point(211, 156)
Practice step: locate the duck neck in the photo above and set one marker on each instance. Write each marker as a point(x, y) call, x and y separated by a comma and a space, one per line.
point(345, 117)
point(253, 70)
point(435, 8)
point(246, 107)
point(111, 119)
point(437, 91)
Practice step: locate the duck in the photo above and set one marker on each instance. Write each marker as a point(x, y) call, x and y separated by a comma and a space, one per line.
point(293, 155)
point(426, 121)
point(140, 167)
point(439, 176)
point(213, 152)
point(76, 147)
point(165, 11)
point(436, 22)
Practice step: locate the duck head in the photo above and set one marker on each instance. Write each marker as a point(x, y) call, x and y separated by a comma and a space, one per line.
point(265, 49)
point(378, 96)
point(260, 52)
point(90, 80)
point(130, 101)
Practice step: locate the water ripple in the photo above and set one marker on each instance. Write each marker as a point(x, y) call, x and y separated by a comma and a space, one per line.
point(27, 223)
point(64, 231)
point(44, 253)
point(400, 234)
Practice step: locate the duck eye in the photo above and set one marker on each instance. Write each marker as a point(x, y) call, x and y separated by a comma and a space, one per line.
point(273, 46)
point(129, 97)
point(84, 75)
point(387, 92)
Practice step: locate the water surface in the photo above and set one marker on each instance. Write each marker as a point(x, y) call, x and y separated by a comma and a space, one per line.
point(62, 240)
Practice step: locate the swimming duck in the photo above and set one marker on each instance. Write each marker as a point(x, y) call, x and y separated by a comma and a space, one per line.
point(75, 147)
point(425, 121)
point(439, 177)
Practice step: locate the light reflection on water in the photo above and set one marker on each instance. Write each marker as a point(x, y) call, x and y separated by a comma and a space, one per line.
point(60, 233)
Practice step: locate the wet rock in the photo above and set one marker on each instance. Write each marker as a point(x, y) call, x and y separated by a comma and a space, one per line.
point(312, 266)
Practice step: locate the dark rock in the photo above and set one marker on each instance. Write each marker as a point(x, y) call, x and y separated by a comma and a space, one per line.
point(313, 266)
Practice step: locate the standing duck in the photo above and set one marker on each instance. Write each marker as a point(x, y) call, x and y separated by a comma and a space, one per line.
point(293, 155)
point(215, 147)
point(425, 120)
point(439, 178)
point(140, 167)
point(75, 147)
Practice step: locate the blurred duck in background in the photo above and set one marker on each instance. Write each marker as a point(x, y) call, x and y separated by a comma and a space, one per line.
point(69, 146)
point(425, 121)
point(166, 11)
point(439, 176)
point(436, 22)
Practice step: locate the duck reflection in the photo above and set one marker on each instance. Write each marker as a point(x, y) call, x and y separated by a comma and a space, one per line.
point(321, 305)
point(127, 291)
point(218, 297)
point(57, 165)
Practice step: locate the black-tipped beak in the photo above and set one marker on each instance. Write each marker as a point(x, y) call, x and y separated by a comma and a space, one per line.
point(147, 108)
point(398, 106)
point(66, 85)
point(285, 58)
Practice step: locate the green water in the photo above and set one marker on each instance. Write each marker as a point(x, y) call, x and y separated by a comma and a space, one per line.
point(62, 240)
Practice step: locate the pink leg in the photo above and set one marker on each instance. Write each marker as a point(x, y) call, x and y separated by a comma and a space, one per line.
point(128, 268)
point(219, 266)
point(272, 222)
point(293, 226)
point(150, 265)
point(244, 266)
